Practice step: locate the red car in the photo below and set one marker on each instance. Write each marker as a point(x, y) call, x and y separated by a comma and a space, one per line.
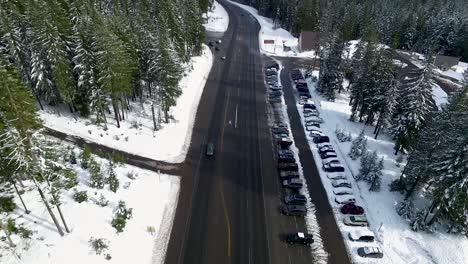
point(353, 209)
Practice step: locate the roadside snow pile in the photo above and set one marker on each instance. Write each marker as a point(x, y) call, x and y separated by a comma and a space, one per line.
point(274, 36)
point(399, 243)
point(136, 135)
point(217, 19)
point(151, 197)
point(456, 72)
point(440, 96)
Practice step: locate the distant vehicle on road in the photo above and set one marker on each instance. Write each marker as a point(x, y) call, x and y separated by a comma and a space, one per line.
point(300, 238)
point(210, 149)
point(217, 48)
point(370, 252)
point(223, 57)
point(294, 210)
point(218, 41)
point(210, 44)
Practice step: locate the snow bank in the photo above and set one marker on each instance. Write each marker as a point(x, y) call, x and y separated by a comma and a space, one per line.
point(270, 32)
point(217, 19)
point(136, 134)
point(440, 96)
point(456, 72)
point(400, 244)
point(152, 197)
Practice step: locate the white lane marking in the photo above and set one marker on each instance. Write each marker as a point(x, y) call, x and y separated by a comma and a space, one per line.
point(235, 123)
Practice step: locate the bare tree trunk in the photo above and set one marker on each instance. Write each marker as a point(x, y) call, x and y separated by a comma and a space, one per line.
point(21, 198)
point(63, 218)
point(52, 215)
point(39, 101)
point(122, 103)
point(2, 227)
point(116, 112)
point(154, 117)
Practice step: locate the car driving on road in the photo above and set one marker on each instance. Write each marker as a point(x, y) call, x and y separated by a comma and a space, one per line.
point(300, 238)
point(210, 149)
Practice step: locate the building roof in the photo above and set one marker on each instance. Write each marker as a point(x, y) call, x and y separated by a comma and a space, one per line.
point(446, 61)
point(309, 40)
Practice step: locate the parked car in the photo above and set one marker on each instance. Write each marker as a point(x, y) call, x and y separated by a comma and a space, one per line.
point(276, 93)
point(352, 208)
point(217, 48)
point(332, 167)
point(314, 134)
point(309, 110)
point(311, 113)
point(370, 252)
point(284, 142)
point(341, 183)
point(296, 199)
point(323, 139)
point(355, 220)
point(286, 158)
point(295, 210)
point(342, 191)
point(279, 130)
point(336, 176)
point(300, 238)
point(282, 151)
point(328, 154)
point(312, 127)
point(331, 160)
point(325, 148)
point(361, 235)
point(287, 175)
point(309, 106)
point(294, 183)
point(274, 100)
point(210, 149)
point(344, 199)
point(305, 94)
point(287, 166)
point(276, 88)
point(313, 119)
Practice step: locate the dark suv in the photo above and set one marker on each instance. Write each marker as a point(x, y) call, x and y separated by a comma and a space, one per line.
point(294, 210)
point(210, 149)
point(295, 199)
point(300, 238)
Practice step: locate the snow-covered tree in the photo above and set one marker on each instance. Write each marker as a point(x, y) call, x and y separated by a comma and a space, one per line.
point(358, 146)
point(331, 73)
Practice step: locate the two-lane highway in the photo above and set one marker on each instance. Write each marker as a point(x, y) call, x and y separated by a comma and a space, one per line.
point(228, 207)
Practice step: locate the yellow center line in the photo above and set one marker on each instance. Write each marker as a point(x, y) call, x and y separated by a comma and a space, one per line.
point(226, 215)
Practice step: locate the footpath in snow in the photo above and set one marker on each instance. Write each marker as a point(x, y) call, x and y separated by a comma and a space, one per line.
point(399, 243)
point(217, 19)
point(152, 197)
point(136, 135)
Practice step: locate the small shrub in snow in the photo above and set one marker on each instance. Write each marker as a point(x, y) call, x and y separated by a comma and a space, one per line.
point(117, 158)
point(24, 232)
point(341, 135)
point(151, 230)
point(80, 196)
point(358, 146)
point(102, 201)
point(405, 209)
point(126, 185)
point(112, 178)
point(122, 214)
point(116, 137)
point(134, 124)
point(11, 226)
point(7, 204)
point(90, 132)
point(132, 175)
point(85, 157)
point(126, 139)
point(99, 245)
point(96, 180)
point(371, 170)
point(70, 179)
point(72, 157)
point(108, 256)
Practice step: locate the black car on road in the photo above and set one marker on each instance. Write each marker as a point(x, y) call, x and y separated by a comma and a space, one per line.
point(300, 238)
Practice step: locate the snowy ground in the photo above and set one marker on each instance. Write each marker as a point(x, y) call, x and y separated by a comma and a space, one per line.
point(279, 35)
point(440, 96)
point(399, 243)
point(217, 19)
point(152, 196)
point(456, 72)
point(136, 134)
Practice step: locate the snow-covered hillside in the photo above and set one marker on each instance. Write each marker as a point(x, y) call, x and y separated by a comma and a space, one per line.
point(136, 135)
point(217, 19)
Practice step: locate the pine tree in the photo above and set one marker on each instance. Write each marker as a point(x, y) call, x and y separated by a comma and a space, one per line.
point(358, 146)
point(331, 77)
point(96, 180)
point(414, 105)
point(112, 177)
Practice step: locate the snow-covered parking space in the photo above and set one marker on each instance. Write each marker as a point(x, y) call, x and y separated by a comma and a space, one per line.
point(217, 19)
point(399, 243)
point(137, 136)
point(152, 198)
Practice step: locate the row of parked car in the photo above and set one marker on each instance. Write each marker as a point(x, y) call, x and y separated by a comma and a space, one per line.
point(294, 201)
point(354, 214)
